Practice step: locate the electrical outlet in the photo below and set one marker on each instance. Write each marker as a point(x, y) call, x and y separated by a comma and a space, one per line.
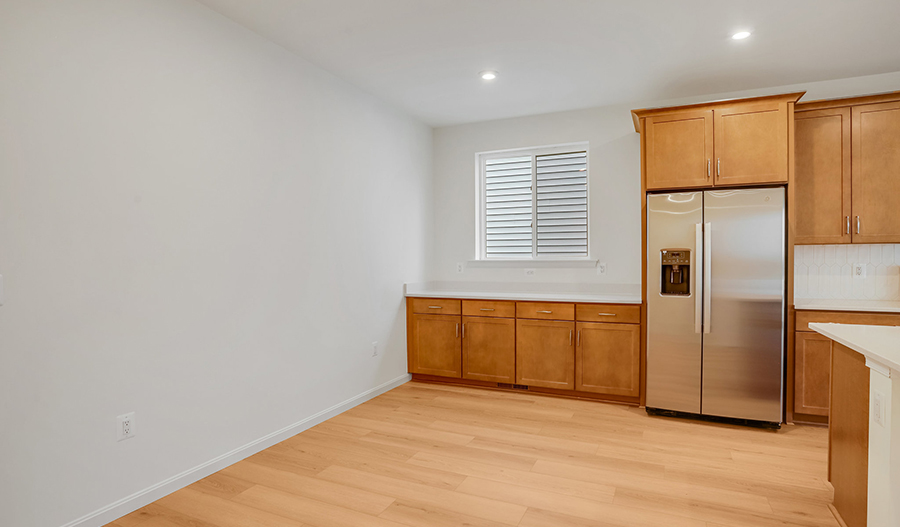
point(601, 268)
point(859, 270)
point(878, 407)
point(529, 272)
point(125, 427)
point(459, 267)
point(375, 349)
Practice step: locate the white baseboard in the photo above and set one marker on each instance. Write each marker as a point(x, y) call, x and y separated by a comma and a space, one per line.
point(139, 499)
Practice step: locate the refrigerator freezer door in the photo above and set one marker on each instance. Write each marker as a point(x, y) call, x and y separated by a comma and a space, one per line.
point(674, 338)
point(744, 341)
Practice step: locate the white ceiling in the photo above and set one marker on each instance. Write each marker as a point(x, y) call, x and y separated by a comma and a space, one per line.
point(424, 56)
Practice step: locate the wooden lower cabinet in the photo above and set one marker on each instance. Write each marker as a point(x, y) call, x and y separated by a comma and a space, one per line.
point(585, 350)
point(813, 359)
point(608, 358)
point(812, 373)
point(848, 463)
point(545, 353)
point(435, 348)
point(489, 349)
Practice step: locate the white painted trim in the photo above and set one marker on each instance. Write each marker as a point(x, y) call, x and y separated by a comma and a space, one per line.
point(876, 366)
point(579, 263)
point(144, 497)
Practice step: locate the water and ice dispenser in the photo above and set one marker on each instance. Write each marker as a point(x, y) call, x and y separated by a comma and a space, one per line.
point(676, 272)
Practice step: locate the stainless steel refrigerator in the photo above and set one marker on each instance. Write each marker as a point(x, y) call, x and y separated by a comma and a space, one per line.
point(716, 303)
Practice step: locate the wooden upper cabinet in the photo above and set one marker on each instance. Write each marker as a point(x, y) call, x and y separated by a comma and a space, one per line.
point(724, 143)
point(489, 349)
point(608, 358)
point(545, 353)
point(435, 348)
point(822, 176)
point(678, 150)
point(876, 173)
point(751, 143)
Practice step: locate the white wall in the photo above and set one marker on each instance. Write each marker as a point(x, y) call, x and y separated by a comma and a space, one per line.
point(195, 225)
point(615, 190)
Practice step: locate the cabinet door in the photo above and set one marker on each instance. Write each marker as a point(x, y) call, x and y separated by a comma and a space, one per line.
point(751, 144)
point(822, 176)
point(489, 349)
point(812, 373)
point(678, 150)
point(436, 348)
point(545, 353)
point(608, 358)
point(876, 173)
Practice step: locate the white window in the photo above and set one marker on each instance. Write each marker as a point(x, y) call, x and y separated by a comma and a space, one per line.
point(533, 203)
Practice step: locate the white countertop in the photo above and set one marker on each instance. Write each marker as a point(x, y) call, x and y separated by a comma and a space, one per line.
point(595, 293)
point(873, 306)
point(878, 343)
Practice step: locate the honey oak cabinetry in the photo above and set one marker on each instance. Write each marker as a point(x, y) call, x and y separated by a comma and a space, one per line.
point(435, 347)
point(848, 441)
point(679, 149)
point(545, 353)
point(812, 373)
point(822, 176)
point(813, 356)
point(876, 173)
point(528, 345)
point(729, 143)
point(489, 341)
point(751, 144)
point(545, 344)
point(608, 358)
point(847, 172)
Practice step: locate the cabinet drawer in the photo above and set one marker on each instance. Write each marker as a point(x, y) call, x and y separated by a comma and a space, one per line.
point(805, 318)
point(488, 308)
point(435, 306)
point(616, 313)
point(545, 310)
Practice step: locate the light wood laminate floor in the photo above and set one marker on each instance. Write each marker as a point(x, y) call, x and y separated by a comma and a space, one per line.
point(432, 455)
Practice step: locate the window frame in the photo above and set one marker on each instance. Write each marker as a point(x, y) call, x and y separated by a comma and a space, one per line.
point(481, 201)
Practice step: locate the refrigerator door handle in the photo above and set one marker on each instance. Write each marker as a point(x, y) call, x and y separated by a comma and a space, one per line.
point(698, 286)
point(707, 277)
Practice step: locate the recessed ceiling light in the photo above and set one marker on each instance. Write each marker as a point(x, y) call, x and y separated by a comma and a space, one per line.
point(488, 75)
point(741, 35)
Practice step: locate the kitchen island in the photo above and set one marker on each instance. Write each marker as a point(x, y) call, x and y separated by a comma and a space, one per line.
point(864, 434)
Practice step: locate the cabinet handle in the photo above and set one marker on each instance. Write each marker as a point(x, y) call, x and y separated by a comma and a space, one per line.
point(857, 225)
point(491, 309)
point(457, 330)
point(548, 312)
point(718, 166)
point(848, 225)
point(708, 170)
point(435, 307)
point(606, 314)
point(570, 337)
point(578, 339)
point(464, 330)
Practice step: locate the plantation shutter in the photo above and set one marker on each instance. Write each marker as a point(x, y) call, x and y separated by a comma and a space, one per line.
point(508, 207)
point(562, 204)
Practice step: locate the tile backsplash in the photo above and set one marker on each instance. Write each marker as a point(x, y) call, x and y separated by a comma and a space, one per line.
point(826, 271)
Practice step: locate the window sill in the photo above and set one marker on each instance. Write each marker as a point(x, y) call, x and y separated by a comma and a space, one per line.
point(535, 264)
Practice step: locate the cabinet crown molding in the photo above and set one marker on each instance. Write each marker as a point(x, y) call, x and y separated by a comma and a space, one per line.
point(827, 104)
point(641, 113)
